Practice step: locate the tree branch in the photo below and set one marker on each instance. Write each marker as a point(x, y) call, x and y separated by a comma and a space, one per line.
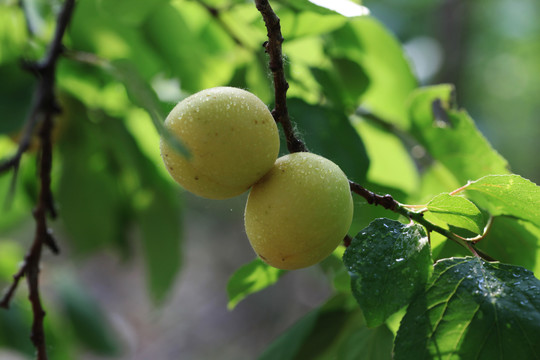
point(44, 108)
point(273, 48)
point(388, 202)
point(281, 115)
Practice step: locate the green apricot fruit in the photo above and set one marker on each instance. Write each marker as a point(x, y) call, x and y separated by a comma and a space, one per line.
point(299, 212)
point(231, 137)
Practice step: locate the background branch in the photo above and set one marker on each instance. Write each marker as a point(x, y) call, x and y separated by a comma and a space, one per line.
point(44, 108)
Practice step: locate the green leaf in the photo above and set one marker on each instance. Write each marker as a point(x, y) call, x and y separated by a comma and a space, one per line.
point(159, 217)
point(390, 163)
point(14, 322)
point(471, 309)
point(302, 5)
point(335, 330)
point(144, 96)
point(513, 241)
point(94, 87)
point(16, 206)
point(11, 254)
point(89, 198)
point(129, 12)
point(366, 343)
point(366, 42)
point(450, 135)
point(249, 279)
point(321, 126)
point(119, 184)
point(154, 202)
point(202, 54)
point(15, 97)
point(14, 34)
point(288, 344)
point(307, 23)
point(343, 83)
point(87, 319)
point(509, 195)
point(435, 179)
point(456, 212)
point(387, 260)
point(94, 30)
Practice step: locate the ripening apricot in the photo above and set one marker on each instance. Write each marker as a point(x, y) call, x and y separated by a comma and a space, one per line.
point(231, 137)
point(299, 212)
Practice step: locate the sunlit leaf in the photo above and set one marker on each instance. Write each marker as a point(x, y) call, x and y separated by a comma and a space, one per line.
point(11, 255)
point(144, 96)
point(13, 33)
point(390, 163)
point(451, 137)
point(473, 309)
point(456, 212)
point(97, 32)
point(249, 279)
point(365, 41)
point(202, 55)
point(509, 195)
point(308, 23)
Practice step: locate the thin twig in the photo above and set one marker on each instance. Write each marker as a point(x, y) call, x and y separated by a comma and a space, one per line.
point(481, 236)
point(6, 298)
point(273, 48)
point(386, 201)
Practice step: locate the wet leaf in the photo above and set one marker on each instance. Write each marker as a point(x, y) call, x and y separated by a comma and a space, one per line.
point(473, 309)
point(389, 264)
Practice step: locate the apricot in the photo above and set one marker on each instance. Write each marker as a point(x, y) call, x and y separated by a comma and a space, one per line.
point(299, 212)
point(231, 137)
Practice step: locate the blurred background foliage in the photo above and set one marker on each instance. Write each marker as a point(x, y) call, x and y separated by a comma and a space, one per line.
point(127, 231)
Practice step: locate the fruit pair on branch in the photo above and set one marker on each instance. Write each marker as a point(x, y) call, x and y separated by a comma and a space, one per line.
point(299, 208)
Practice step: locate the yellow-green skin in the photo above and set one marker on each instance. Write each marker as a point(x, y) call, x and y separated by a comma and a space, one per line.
point(299, 212)
point(232, 141)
